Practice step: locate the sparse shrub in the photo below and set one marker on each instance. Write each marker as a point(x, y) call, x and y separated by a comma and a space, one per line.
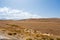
point(58, 38)
point(14, 33)
point(44, 38)
point(37, 35)
point(7, 24)
point(9, 33)
point(28, 39)
point(3, 30)
point(14, 25)
point(51, 38)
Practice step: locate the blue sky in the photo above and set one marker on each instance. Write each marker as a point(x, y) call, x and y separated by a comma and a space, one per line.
point(35, 8)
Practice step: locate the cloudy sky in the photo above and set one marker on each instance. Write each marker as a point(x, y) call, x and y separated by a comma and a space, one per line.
point(22, 9)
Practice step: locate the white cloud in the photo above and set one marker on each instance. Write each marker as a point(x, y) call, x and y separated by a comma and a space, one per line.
point(9, 13)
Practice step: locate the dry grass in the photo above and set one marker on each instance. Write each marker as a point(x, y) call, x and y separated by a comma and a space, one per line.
point(31, 29)
point(51, 26)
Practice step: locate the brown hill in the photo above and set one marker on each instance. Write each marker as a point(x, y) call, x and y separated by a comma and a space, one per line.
point(44, 25)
